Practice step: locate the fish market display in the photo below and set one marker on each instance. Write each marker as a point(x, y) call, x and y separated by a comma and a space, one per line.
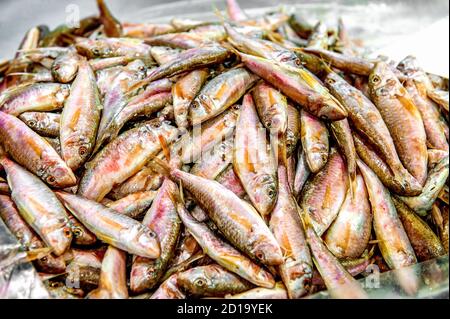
point(243, 157)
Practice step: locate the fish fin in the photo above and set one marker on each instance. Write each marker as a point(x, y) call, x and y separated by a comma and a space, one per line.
point(159, 166)
point(305, 218)
point(165, 148)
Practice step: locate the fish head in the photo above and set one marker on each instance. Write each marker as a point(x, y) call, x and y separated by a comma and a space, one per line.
point(266, 187)
point(268, 252)
point(51, 264)
point(195, 280)
point(58, 238)
point(382, 81)
point(146, 242)
point(82, 236)
point(59, 175)
point(77, 148)
point(200, 108)
point(93, 48)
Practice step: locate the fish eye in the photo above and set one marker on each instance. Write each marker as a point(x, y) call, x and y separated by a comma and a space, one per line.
point(200, 282)
point(156, 124)
point(67, 232)
point(51, 180)
point(77, 231)
point(331, 81)
point(298, 62)
point(236, 107)
point(152, 234)
point(82, 150)
point(203, 97)
point(376, 79)
point(195, 105)
point(44, 259)
point(269, 124)
point(96, 51)
point(32, 123)
point(259, 255)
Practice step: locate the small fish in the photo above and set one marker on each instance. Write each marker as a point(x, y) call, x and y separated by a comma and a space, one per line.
point(113, 47)
point(44, 123)
point(39, 207)
point(299, 85)
point(425, 242)
point(136, 109)
point(162, 218)
point(315, 143)
point(272, 110)
point(340, 283)
point(116, 98)
point(27, 237)
point(417, 86)
point(113, 279)
point(367, 119)
point(436, 180)
point(184, 91)
point(324, 193)
point(346, 63)
point(349, 234)
point(238, 221)
point(80, 118)
point(219, 94)
point(34, 97)
point(111, 227)
point(402, 118)
point(133, 205)
point(223, 253)
point(393, 241)
point(186, 61)
point(34, 152)
point(123, 157)
point(253, 161)
point(262, 48)
point(286, 225)
point(211, 281)
point(343, 135)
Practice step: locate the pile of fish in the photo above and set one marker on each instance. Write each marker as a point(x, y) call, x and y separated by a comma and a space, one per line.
point(248, 157)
